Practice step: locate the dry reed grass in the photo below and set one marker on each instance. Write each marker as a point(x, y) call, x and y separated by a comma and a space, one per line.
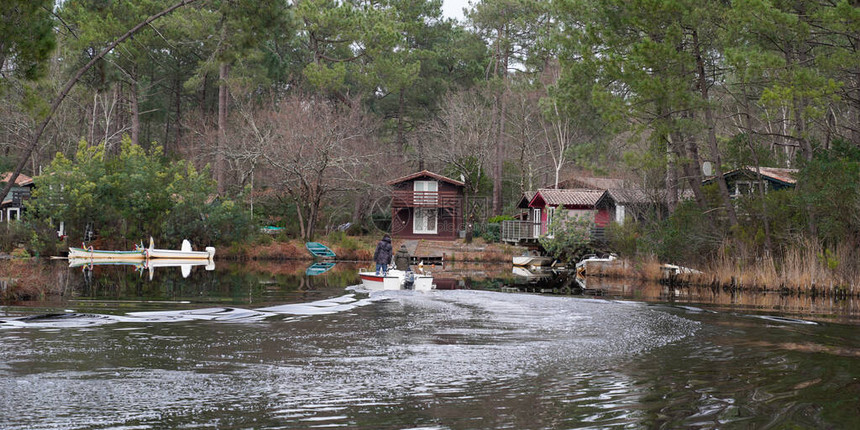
point(25, 280)
point(805, 269)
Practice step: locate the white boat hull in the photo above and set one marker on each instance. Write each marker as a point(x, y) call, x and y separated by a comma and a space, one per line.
point(532, 260)
point(95, 254)
point(395, 280)
point(185, 253)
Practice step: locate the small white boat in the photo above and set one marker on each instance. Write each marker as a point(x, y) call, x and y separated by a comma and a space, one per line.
point(593, 260)
point(532, 260)
point(184, 253)
point(396, 280)
point(96, 254)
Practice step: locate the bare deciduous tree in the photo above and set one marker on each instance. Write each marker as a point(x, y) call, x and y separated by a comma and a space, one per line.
point(313, 148)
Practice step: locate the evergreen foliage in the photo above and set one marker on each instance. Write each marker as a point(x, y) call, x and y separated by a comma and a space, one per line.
point(124, 199)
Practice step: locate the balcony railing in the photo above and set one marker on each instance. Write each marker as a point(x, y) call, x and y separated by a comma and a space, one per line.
point(519, 231)
point(427, 199)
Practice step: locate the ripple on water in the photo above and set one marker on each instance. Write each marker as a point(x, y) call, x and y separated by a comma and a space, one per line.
point(346, 360)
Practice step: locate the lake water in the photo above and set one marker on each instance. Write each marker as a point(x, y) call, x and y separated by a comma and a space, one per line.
point(266, 346)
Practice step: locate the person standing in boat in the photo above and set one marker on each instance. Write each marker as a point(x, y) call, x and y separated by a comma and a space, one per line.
point(382, 255)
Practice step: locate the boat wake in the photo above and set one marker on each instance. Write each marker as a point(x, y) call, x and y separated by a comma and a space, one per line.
point(221, 314)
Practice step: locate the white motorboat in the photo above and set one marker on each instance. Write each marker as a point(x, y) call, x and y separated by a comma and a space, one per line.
point(532, 260)
point(593, 260)
point(396, 280)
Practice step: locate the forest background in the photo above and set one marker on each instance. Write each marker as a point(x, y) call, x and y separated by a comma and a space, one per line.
point(225, 115)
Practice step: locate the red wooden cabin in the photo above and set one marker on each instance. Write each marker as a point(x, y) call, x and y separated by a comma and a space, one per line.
point(426, 205)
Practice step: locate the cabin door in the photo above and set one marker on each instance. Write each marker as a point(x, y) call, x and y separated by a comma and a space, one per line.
point(426, 214)
point(535, 223)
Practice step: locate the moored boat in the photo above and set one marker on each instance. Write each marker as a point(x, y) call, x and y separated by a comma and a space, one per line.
point(96, 254)
point(319, 250)
point(184, 253)
point(396, 280)
point(532, 260)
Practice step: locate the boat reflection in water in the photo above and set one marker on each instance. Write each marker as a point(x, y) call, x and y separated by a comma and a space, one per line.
point(184, 265)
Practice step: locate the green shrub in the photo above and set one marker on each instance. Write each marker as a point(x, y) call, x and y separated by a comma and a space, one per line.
point(489, 232)
point(570, 240)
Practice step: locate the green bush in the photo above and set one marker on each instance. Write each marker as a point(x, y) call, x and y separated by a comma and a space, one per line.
point(571, 238)
point(489, 232)
point(14, 234)
point(133, 195)
point(499, 218)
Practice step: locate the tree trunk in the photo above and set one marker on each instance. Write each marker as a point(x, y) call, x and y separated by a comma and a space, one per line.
point(300, 217)
point(401, 108)
point(135, 112)
point(71, 83)
point(220, 174)
point(768, 245)
point(712, 134)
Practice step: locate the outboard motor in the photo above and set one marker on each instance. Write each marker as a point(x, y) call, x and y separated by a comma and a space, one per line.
point(409, 280)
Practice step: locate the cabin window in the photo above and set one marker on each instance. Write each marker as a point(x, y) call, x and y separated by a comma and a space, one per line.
point(425, 221)
point(745, 188)
point(426, 192)
point(10, 211)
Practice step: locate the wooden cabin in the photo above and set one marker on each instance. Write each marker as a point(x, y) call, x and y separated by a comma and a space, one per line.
point(426, 205)
point(12, 206)
point(623, 205)
point(745, 181)
point(579, 203)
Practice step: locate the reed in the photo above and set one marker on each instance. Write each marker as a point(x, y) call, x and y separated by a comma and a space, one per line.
point(805, 268)
point(26, 280)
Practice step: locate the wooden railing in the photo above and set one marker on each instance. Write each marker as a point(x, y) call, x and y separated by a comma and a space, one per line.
point(428, 199)
point(518, 231)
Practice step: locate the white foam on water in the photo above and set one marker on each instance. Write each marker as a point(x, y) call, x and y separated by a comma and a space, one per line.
point(220, 314)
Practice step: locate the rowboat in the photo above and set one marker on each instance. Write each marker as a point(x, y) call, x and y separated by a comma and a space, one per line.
point(320, 250)
point(184, 253)
point(89, 262)
point(396, 280)
point(319, 268)
point(96, 254)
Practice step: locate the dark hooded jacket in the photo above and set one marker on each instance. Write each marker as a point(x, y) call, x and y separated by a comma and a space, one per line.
point(383, 251)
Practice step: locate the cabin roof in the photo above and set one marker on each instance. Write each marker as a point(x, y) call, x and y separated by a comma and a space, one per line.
point(426, 173)
point(22, 180)
point(567, 197)
point(776, 174)
point(581, 182)
point(627, 197)
point(526, 199)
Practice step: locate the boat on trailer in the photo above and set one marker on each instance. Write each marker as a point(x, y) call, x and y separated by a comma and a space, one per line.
point(396, 280)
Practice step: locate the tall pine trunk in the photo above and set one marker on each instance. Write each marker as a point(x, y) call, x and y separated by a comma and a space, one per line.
point(220, 167)
point(710, 123)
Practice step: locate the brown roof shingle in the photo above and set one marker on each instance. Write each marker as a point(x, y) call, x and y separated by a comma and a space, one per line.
point(569, 197)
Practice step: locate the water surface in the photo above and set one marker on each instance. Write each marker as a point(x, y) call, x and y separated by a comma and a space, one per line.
point(282, 350)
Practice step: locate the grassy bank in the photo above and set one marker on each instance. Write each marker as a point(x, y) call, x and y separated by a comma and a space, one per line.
point(361, 248)
point(806, 271)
